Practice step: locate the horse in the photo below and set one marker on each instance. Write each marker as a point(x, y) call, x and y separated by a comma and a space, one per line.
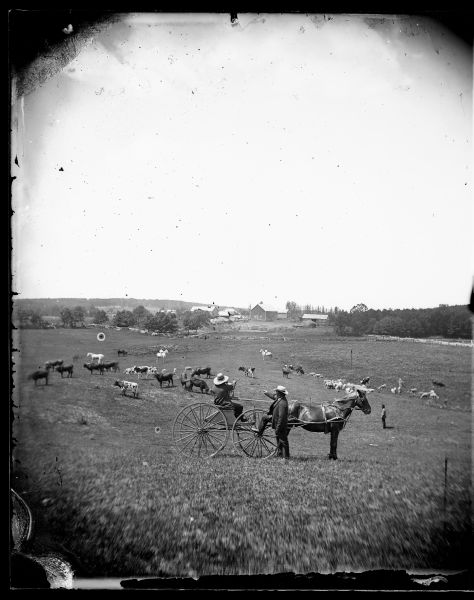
point(265, 353)
point(99, 357)
point(329, 417)
point(202, 371)
point(122, 352)
point(162, 354)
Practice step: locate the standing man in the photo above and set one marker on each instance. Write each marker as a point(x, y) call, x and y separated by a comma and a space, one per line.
point(278, 413)
point(384, 416)
point(223, 394)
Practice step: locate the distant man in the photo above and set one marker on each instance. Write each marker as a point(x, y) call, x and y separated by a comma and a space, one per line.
point(384, 416)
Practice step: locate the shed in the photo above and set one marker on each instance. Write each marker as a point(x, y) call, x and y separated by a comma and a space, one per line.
point(318, 319)
point(264, 312)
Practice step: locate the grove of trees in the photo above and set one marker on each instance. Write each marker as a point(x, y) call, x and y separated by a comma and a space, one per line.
point(443, 321)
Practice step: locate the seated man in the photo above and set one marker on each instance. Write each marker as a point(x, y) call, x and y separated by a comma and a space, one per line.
point(222, 392)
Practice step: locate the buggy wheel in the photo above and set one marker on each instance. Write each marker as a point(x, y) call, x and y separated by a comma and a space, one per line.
point(248, 441)
point(200, 430)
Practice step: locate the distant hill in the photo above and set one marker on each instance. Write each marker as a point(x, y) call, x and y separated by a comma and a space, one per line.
point(52, 306)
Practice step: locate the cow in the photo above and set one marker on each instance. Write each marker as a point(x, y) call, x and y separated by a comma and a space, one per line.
point(438, 383)
point(199, 383)
point(202, 371)
point(365, 381)
point(111, 366)
point(122, 352)
point(141, 370)
point(99, 357)
point(162, 377)
point(94, 367)
point(127, 386)
point(40, 374)
point(286, 371)
point(248, 371)
point(68, 369)
point(51, 364)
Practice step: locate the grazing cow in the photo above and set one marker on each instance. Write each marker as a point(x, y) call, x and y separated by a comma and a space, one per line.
point(51, 364)
point(438, 383)
point(433, 394)
point(141, 370)
point(122, 352)
point(248, 371)
point(67, 369)
point(111, 366)
point(299, 369)
point(199, 383)
point(422, 395)
point(365, 381)
point(94, 367)
point(130, 371)
point(286, 371)
point(394, 390)
point(40, 374)
point(161, 377)
point(413, 391)
point(127, 386)
point(382, 387)
point(202, 371)
point(99, 357)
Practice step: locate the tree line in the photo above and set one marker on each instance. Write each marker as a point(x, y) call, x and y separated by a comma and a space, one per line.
point(444, 321)
point(141, 317)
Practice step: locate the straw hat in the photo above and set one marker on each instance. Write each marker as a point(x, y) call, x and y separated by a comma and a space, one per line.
point(280, 388)
point(220, 378)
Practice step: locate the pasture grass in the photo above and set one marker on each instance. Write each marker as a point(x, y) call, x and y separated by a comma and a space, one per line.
point(103, 486)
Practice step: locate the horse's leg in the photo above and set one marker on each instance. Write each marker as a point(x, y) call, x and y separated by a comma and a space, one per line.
point(333, 444)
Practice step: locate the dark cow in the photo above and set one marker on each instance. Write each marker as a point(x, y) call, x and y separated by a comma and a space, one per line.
point(141, 371)
point(122, 352)
point(51, 364)
point(68, 369)
point(299, 369)
point(162, 378)
point(40, 374)
point(202, 371)
point(365, 381)
point(286, 371)
point(199, 383)
point(438, 383)
point(94, 367)
point(111, 366)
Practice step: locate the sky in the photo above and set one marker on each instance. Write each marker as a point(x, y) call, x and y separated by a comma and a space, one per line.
point(325, 160)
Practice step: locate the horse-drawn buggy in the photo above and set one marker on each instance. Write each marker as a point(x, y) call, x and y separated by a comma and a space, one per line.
point(203, 429)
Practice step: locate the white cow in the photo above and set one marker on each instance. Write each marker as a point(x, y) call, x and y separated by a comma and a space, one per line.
point(127, 386)
point(93, 356)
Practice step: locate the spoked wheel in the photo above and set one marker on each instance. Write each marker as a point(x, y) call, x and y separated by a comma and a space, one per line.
point(249, 441)
point(200, 430)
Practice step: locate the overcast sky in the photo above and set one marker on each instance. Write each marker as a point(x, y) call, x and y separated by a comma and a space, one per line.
point(321, 160)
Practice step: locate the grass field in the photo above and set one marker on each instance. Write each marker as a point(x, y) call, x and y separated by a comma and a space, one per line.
point(116, 496)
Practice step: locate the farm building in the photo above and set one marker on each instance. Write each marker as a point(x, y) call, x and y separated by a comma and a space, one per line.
point(263, 312)
point(282, 315)
point(228, 312)
point(212, 310)
point(317, 319)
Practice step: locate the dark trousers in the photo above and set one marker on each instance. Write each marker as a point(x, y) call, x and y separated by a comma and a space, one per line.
point(238, 408)
point(283, 447)
point(383, 422)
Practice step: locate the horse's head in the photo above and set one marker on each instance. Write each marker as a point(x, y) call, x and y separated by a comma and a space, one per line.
point(362, 403)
